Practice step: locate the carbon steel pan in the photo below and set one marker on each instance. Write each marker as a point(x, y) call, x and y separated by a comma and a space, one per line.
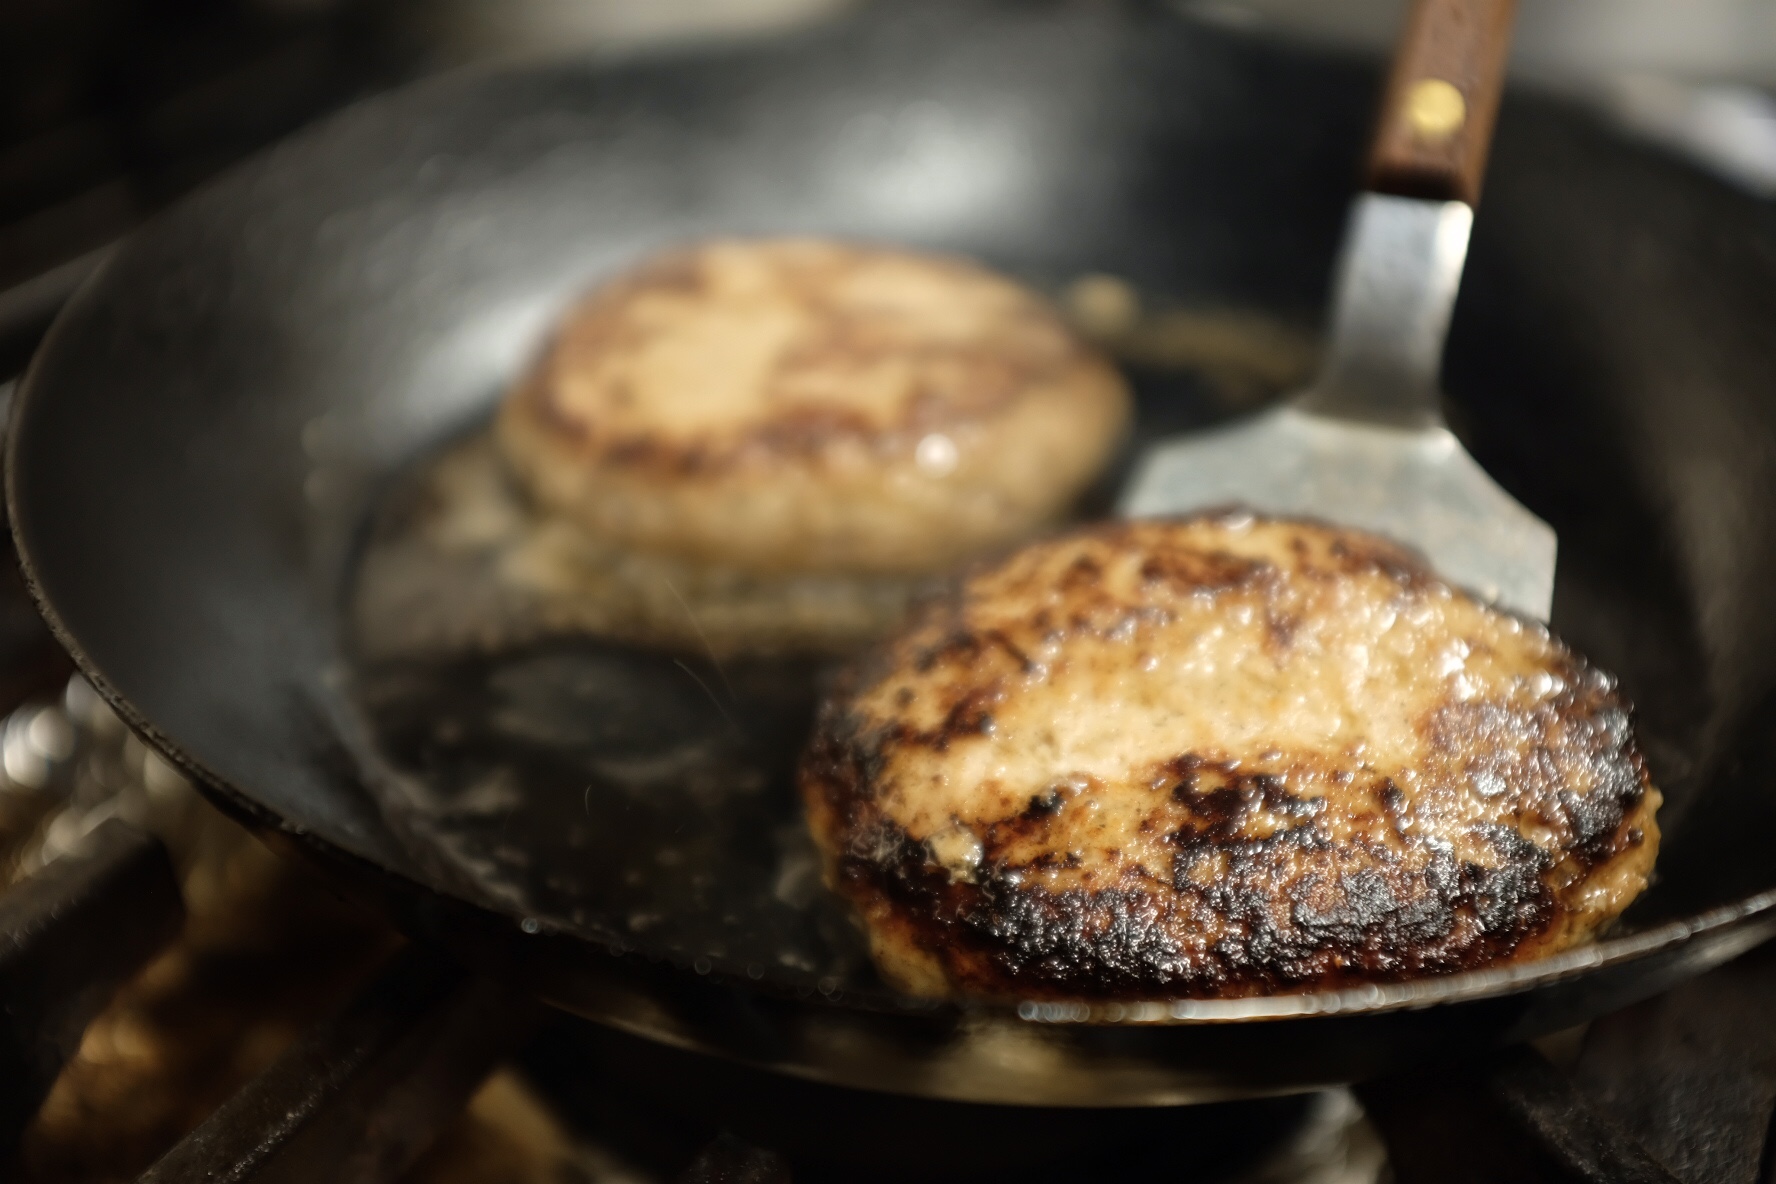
point(198, 450)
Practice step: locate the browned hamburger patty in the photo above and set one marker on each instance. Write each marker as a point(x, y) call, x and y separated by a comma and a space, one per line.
point(1222, 756)
point(801, 405)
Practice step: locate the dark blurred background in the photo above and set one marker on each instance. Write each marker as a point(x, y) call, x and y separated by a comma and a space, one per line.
point(111, 108)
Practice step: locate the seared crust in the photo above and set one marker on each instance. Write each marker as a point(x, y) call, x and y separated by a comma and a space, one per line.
point(812, 406)
point(1220, 757)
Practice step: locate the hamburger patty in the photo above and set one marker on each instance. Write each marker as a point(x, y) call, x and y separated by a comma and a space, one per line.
point(798, 405)
point(1217, 757)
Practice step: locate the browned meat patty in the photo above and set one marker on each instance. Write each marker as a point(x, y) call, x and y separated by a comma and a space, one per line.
point(1222, 757)
point(799, 405)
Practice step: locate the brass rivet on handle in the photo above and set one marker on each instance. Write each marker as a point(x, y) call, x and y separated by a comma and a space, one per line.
point(1435, 110)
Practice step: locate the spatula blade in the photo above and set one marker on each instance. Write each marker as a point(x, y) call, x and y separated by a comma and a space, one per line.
point(1416, 486)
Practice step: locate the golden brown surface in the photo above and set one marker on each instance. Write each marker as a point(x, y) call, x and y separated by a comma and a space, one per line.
point(1222, 756)
point(799, 405)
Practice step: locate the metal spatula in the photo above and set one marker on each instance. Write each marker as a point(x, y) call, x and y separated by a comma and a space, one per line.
point(1366, 444)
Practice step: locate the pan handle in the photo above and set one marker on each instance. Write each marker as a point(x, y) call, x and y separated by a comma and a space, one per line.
point(1442, 99)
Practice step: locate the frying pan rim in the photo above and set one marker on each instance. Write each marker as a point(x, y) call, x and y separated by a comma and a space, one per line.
point(1364, 999)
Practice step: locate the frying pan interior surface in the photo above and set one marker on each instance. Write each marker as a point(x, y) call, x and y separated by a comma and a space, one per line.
point(214, 432)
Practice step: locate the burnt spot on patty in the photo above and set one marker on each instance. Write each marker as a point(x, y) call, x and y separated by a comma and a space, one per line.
point(1171, 801)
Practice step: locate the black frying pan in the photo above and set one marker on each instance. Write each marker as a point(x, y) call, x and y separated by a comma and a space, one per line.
point(200, 445)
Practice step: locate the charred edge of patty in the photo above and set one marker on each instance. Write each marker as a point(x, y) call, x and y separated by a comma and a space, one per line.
point(1391, 919)
point(996, 934)
point(1001, 378)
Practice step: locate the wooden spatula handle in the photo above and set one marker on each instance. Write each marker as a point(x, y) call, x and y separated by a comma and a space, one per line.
point(1442, 99)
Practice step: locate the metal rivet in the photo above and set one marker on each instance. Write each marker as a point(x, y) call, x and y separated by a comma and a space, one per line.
point(1435, 110)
